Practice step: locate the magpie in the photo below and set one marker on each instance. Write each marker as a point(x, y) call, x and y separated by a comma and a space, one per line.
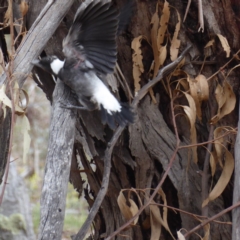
point(90, 51)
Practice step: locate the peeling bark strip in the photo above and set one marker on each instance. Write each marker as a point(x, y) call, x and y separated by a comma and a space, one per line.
point(60, 149)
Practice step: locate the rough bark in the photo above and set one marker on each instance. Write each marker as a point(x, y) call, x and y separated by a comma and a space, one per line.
point(236, 193)
point(143, 151)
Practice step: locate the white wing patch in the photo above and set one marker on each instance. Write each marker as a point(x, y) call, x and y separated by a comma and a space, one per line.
point(56, 65)
point(102, 96)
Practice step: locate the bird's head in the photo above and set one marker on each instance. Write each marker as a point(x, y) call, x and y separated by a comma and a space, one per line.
point(49, 64)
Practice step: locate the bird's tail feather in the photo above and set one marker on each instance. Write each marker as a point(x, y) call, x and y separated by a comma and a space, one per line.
point(125, 116)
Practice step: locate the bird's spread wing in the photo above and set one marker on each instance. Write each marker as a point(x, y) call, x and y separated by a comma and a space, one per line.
point(92, 36)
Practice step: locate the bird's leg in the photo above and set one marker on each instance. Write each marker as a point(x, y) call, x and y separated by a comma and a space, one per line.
point(70, 106)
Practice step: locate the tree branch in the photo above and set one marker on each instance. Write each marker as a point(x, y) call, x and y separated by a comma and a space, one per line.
point(57, 170)
point(37, 37)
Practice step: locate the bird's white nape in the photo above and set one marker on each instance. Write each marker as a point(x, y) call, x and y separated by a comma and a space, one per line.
point(56, 65)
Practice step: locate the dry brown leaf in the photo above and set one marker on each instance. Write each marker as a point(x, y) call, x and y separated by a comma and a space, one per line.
point(154, 33)
point(175, 43)
point(203, 91)
point(219, 144)
point(210, 43)
point(191, 114)
point(184, 84)
point(23, 7)
point(213, 162)
point(226, 100)
point(155, 220)
point(225, 44)
point(159, 51)
point(199, 90)
point(127, 211)
point(163, 23)
point(206, 229)
point(163, 219)
point(6, 101)
point(162, 54)
point(137, 58)
point(180, 236)
point(223, 180)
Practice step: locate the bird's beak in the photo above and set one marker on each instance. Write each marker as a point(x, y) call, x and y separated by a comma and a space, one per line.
point(36, 62)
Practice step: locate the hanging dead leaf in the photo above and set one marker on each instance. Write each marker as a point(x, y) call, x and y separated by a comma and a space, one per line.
point(199, 90)
point(155, 219)
point(213, 162)
point(180, 236)
point(208, 49)
point(203, 91)
point(206, 229)
point(175, 43)
point(184, 84)
point(127, 211)
point(137, 58)
point(191, 114)
point(225, 44)
point(6, 101)
point(163, 219)
point(162, 54)
point(23, 7)
point(25, 99)
point(163, 23)
point(210, 43)
point(154, 33)
point(24, 125)
point(219, 144)
point(159, 51)
point(226, 100)
point(223, 180)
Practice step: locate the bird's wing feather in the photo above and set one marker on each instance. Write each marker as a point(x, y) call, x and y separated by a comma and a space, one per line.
point(92, 36)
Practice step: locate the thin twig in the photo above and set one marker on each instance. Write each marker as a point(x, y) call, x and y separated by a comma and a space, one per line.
point(212, 218)
point(162, 73)
point(187, 9)
point(211, 141)
point(190, 214)
point(221, 68)
point(108, 153)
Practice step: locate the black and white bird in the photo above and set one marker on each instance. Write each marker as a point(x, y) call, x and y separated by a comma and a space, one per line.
point(90, 52)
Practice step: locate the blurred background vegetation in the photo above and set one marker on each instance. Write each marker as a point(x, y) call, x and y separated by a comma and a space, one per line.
point(32, 170)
